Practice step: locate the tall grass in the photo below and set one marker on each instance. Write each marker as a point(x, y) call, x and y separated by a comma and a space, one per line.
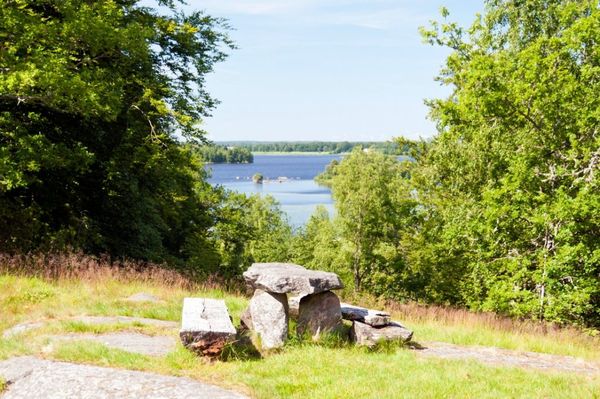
point(86, 268)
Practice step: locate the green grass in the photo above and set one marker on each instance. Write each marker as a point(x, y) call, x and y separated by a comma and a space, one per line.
point(330, 369)
point(2, 384)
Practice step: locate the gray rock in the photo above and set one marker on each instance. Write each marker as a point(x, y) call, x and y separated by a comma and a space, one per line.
point(92, 320)
point(269, 318)
point(364, 334)
point(127, 341)
point(375, 318)
point(143, 297)
point(205, 326)
point(246, 319)
point(294, 306)
point(32, 378)
point(319, 313)
point(284, 278)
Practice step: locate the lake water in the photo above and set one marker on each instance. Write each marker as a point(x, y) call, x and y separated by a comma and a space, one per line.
point(298, 195)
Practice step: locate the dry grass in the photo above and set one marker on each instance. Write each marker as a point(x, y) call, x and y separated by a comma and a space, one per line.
point(449, 315)
point(80, 267)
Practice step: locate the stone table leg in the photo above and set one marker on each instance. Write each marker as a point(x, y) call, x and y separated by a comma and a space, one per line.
point(319, 313)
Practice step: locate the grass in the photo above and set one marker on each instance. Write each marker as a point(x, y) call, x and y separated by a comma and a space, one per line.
point(330, 369)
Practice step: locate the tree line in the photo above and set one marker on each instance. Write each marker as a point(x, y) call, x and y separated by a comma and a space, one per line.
point(223, 154)
point(331, 147)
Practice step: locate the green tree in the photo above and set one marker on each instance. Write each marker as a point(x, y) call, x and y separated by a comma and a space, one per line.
point(372, 210)
point(510, 186)
point(249, 229)
point(92, 98)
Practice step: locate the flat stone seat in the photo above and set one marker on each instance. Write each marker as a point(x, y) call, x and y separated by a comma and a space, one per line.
point(375, 318)
point(283, 278)
point(206, 326)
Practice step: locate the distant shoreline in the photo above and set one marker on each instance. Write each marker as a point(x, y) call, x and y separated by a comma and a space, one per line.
point(296, 153)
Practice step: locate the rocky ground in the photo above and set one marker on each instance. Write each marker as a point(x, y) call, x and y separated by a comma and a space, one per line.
point(31, 377)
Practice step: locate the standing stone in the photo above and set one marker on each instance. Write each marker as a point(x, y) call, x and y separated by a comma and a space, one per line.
point(284, 278)
point(269, 318)
point(205, 326)
point(364, 334)
point(319, 313)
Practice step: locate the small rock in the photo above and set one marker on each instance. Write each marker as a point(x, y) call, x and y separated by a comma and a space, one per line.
point(294, 306)
point(205, 326)
point(375, 318)
point(319, 313)
point(269, 318)
point(285, 278)
point(143, 297)
point(364, 334)
point(246, 320)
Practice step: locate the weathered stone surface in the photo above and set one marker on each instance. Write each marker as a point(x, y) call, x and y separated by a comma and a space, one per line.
point(246, 319)
point(364, 334)
point(269, 318)
point(205, 326)
point(93, 320)
point(319, 313)
point(375, 318)
point(127, 341)
point(32, 378)
point(284, 278)
point(143, 297)
point(294, 306)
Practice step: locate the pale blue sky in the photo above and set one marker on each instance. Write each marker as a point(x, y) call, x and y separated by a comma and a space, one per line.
point(327, 69)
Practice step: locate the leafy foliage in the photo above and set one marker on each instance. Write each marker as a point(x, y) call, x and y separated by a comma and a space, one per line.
point(222, 154)
point(511, 182)
point(499, 212)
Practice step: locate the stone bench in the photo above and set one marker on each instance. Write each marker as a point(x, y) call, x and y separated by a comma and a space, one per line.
point(206, 326)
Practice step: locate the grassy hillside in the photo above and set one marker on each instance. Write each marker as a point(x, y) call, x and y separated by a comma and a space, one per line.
point(328, 370)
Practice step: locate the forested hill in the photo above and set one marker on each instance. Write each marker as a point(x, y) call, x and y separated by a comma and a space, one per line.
point(332, 147)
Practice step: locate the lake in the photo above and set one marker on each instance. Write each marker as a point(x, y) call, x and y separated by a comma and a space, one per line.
point(298, 195)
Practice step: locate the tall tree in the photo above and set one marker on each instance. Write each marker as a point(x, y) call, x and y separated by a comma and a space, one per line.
point(93, 96)
point(511, 183)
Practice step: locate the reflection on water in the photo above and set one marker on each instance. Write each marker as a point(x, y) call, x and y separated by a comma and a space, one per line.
point(298, 195)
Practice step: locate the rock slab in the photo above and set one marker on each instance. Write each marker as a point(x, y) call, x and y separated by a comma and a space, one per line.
point(364, 334)
point(32, 378)
point(282, 278)
point(127, 341)
point(268, 314)
point(375, 318)
point(319, 313)
point(205, 326)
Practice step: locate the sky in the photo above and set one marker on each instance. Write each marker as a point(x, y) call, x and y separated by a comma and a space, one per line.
point(330, 70)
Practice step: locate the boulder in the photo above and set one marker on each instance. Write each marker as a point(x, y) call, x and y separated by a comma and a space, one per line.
point(284, 278)
point(364, 334)
point(269, 318)
point(205, 326)
point(319, 313)
point(375, 318)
